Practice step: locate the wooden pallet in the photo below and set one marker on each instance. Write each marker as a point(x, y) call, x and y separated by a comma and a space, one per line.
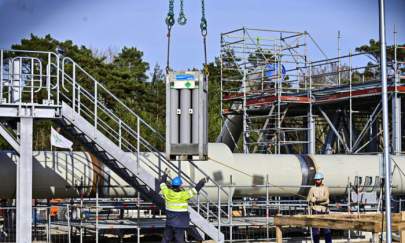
point(370, 222)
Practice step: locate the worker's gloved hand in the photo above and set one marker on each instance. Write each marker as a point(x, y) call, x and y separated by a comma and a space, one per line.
point(200, 184)
point(205, 180)
point(165, 175)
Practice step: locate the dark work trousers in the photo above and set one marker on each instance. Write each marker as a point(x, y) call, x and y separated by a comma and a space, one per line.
point(316, 232)
point(316, 235)
point(172, 234)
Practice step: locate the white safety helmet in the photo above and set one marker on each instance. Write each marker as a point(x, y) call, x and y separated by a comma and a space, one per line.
point(318, 176)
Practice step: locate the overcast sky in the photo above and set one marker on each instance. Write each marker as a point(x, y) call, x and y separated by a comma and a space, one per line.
point(113, 24)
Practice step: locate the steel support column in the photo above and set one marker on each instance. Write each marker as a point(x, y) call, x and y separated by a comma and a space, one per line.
point(396, 124)
point(311, 119)
point(334, 129)
point(396, 105)
point(387, 160)
point(311, 133)
point(331, 136)
point(373, 135)
point(24, 182)
point(349, 130)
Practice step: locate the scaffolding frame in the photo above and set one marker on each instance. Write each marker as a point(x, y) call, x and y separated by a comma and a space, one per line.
point(259, 63)
point(271, 82)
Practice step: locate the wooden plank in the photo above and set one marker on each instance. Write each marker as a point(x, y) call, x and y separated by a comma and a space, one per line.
point(279, 235)
point(398, 226)
point(402, 236)
point(364, 222)
point(396, 217)
point(343, 224)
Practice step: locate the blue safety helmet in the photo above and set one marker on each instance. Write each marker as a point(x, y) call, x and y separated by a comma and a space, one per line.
point(176, 182)
point(318, 176)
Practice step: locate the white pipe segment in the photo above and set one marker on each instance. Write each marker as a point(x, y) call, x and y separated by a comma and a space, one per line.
point(59, 174)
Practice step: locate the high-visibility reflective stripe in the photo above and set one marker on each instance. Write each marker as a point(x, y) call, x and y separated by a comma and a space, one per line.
point(176, 204)
point(177, 209)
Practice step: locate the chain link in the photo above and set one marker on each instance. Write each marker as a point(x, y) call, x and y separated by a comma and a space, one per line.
point(203, 9)
point(203, 23)
point(170, 15)
point(169, 22)
point(204, 32)
point(182, 20)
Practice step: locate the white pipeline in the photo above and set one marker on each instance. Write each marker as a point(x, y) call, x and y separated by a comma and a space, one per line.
point(61, 174)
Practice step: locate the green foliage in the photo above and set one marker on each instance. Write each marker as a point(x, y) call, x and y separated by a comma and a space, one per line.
point(214, 97)
point(373, 48)
point(261, 57)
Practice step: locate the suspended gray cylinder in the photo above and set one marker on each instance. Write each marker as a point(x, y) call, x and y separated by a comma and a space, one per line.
point(195, 116)
point(185, 118)
point(174, 124)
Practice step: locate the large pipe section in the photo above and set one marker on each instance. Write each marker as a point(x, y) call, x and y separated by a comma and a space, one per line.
point(61, 174)
point(231, 130)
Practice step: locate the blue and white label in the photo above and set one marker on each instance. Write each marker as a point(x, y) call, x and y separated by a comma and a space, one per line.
point(185, 77)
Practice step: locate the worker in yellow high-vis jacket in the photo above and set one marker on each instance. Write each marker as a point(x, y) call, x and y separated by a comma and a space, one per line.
point(176, 203)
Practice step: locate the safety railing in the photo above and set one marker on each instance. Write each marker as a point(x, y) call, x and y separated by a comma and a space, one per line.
point(110, 116)
point(353, 68)
point(26, 78)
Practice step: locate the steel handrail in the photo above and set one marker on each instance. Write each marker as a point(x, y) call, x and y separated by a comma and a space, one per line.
point(111, 94)
point(131, 132)
point(147, 145)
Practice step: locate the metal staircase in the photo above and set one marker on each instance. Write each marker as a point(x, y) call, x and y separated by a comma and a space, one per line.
point(96, 118)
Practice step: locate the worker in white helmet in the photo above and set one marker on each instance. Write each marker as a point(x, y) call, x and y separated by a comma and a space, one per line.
point(318, 200)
